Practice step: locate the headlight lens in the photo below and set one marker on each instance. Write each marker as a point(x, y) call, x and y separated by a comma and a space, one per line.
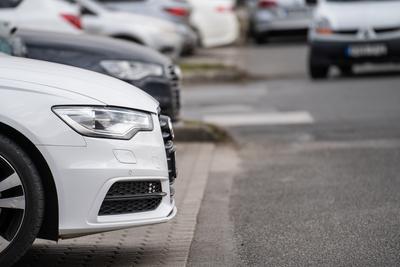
point(130, 70)
point(105, 122)
point(323, 26)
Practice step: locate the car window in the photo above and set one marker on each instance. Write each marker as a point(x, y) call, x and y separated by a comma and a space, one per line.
point(9, 3)
point(5, 46)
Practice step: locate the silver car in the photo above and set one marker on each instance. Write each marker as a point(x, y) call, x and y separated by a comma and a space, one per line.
point(272, 17)
point(177, 11)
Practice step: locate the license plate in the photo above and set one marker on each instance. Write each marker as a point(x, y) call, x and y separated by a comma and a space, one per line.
point(370, 50)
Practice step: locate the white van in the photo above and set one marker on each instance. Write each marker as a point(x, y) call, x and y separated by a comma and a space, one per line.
point(345, 33)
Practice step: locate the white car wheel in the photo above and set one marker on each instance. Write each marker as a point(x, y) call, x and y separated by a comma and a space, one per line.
point(21, 202)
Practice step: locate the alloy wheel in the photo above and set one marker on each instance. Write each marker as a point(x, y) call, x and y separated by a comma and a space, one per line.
point(12, 203)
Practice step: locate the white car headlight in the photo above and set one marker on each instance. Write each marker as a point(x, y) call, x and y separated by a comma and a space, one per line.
point(130, 70)
point(322, 26)
point(105, 122)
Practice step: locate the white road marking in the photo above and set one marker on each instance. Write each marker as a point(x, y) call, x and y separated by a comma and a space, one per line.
point(270, 118)
point(226, 109)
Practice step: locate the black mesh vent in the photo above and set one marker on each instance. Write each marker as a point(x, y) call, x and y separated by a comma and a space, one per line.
point(132, 197)
point(133, 188)
point(129, 206)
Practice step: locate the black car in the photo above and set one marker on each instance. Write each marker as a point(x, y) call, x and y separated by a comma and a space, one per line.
point(135, 64)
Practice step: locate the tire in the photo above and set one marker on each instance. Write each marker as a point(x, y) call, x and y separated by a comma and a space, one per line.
point(317, 71)
point(22, 213)
point(260, 39)
point(346, 70)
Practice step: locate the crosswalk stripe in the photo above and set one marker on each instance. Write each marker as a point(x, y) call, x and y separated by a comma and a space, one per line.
point(270, 118)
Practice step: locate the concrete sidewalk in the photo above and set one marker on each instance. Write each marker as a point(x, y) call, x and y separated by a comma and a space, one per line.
point(159, 245)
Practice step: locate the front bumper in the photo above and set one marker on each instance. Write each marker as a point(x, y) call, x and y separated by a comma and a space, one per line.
point(84, 175)
point(267, 22)
point(335, 52)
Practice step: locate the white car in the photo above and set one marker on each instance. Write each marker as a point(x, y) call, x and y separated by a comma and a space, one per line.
point(51, 15)
point(215, 21)
point(345, 33)
point(159, 34)
point(76, 157)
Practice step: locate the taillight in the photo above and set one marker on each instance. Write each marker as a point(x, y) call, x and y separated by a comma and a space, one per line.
point(73, 20)
point(178, 11)
point(267, 3)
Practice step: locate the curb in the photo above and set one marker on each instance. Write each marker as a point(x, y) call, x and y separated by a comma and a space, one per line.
point(197, 131)
point(211, 72)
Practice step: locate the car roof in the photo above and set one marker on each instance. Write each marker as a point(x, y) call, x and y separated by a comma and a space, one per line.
point(109, 47)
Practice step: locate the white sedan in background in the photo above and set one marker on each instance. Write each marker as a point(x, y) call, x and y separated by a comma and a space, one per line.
point(51, 15)
point(158, 34)
point(346, 33)
point(215, 21)
point(78, 155)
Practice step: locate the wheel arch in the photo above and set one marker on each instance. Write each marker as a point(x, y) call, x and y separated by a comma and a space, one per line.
point(49, 229)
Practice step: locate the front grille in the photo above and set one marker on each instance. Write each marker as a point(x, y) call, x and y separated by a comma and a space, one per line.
point(387, 30)
point(175, 77)
point(376, 30)
point(168, 136)
point(346, 31)
point(131, 197)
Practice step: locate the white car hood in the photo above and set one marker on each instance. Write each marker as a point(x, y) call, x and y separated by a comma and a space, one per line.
point(62, 80)
point(358, 14)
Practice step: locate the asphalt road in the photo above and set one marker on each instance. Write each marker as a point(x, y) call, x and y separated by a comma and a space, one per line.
point(319, 176)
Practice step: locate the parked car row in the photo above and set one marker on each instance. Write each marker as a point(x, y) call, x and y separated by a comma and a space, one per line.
point(173, 27)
